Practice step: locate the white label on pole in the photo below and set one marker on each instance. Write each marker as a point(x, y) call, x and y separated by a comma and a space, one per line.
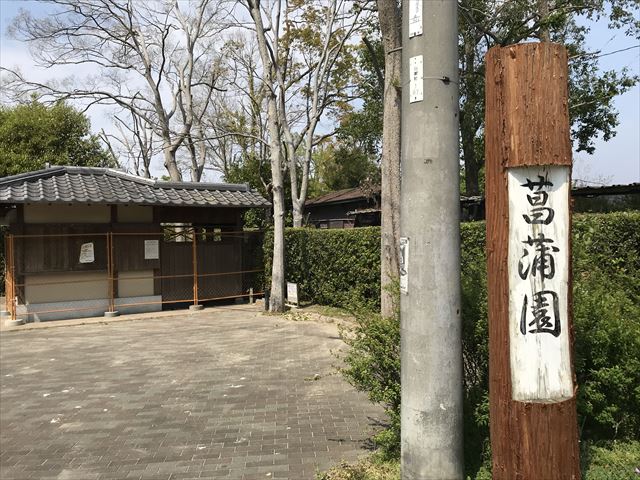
point(292, 293)
point(538, 266)
point(86, 253)
point(404, 265)
point(415, 18)
point(415, 80)
point(151, 249)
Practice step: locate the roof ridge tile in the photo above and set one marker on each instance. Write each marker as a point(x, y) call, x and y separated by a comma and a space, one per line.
point(107, 186)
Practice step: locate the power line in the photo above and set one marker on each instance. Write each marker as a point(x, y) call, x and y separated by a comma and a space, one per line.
point(598, 54)
point(617, 51)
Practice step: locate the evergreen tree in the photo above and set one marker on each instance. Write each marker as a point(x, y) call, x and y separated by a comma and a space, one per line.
point(34, 134)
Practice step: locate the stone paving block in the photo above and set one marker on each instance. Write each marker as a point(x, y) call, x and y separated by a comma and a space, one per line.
point(221, 394)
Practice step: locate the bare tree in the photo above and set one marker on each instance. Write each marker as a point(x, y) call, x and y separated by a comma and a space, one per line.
point(303, 48)
point(151, 59)
point(310, 61)
point(198, 76)
point(135, 142)
point(236, 121)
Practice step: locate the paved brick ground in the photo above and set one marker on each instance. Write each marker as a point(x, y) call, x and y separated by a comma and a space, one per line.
point(220, 394)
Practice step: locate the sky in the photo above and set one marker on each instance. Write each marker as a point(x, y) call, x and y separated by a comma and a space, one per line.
point(618, 160)
point(614, 162)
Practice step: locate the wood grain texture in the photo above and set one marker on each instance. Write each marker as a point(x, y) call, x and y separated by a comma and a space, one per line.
point(534, 80)
point(526, 124)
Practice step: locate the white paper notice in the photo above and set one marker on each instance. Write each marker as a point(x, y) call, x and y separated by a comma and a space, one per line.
point(404, 265)
point(538, 265)
point(151, 249)
point(415, 79)
point(86, 253)
point(415, 18)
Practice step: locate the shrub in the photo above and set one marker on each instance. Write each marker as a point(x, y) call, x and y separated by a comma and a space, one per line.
point(609, 460)
point(606, 314)
point(606, 298)
point(372, 364)
point(606, 317)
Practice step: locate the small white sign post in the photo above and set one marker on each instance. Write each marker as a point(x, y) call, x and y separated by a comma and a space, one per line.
point(292, 294)
point(538, 265)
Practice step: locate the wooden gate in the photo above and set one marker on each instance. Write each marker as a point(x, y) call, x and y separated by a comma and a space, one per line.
point(219, 268)
point(217, 259)
point(177, 272)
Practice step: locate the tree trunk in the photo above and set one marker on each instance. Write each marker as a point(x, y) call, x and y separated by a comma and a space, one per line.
point(471, 167)
point(469, 122)
point(471, 170)
point(276, 299)
point(171, 165)
point(196, 172)
point(390, 25)
point(543, 11)
point(298, 214)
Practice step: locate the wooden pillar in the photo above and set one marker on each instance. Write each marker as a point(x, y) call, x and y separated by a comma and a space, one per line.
point(533, 424)
point(7, 272)
point(195, 266)
point(14, 298)
point(18, 252)
point(111, 275)
point(10, 271)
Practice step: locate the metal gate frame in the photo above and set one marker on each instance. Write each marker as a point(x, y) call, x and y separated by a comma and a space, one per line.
point(13, 287)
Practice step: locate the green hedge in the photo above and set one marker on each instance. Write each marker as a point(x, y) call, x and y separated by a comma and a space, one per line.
point(332, 267)
point(341, 268)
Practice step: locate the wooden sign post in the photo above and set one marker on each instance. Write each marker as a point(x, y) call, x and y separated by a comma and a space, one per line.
point(528, 178)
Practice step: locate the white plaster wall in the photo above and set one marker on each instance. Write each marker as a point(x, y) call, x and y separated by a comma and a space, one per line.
point(135, 214)
point(60, 287)
point(67, 213)
point(135, 284)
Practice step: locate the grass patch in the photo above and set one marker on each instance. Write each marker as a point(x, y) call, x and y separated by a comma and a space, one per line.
point(370, 468)
point(328, 311)
point(602, 461)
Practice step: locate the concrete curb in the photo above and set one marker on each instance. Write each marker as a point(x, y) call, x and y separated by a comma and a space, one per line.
point(125, 318)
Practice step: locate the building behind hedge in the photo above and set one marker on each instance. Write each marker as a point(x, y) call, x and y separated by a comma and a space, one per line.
point(359, 207)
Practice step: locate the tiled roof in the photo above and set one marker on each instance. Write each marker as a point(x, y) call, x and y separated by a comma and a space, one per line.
point(598, 190)
point(107, 186)
point(345, 195)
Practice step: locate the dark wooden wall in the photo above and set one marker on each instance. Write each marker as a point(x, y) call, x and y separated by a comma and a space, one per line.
point(53, 248)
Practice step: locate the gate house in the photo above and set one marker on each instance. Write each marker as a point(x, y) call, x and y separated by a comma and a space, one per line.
point(87, 241)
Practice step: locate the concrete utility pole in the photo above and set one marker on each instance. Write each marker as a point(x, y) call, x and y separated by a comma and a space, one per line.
point(430, 244)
